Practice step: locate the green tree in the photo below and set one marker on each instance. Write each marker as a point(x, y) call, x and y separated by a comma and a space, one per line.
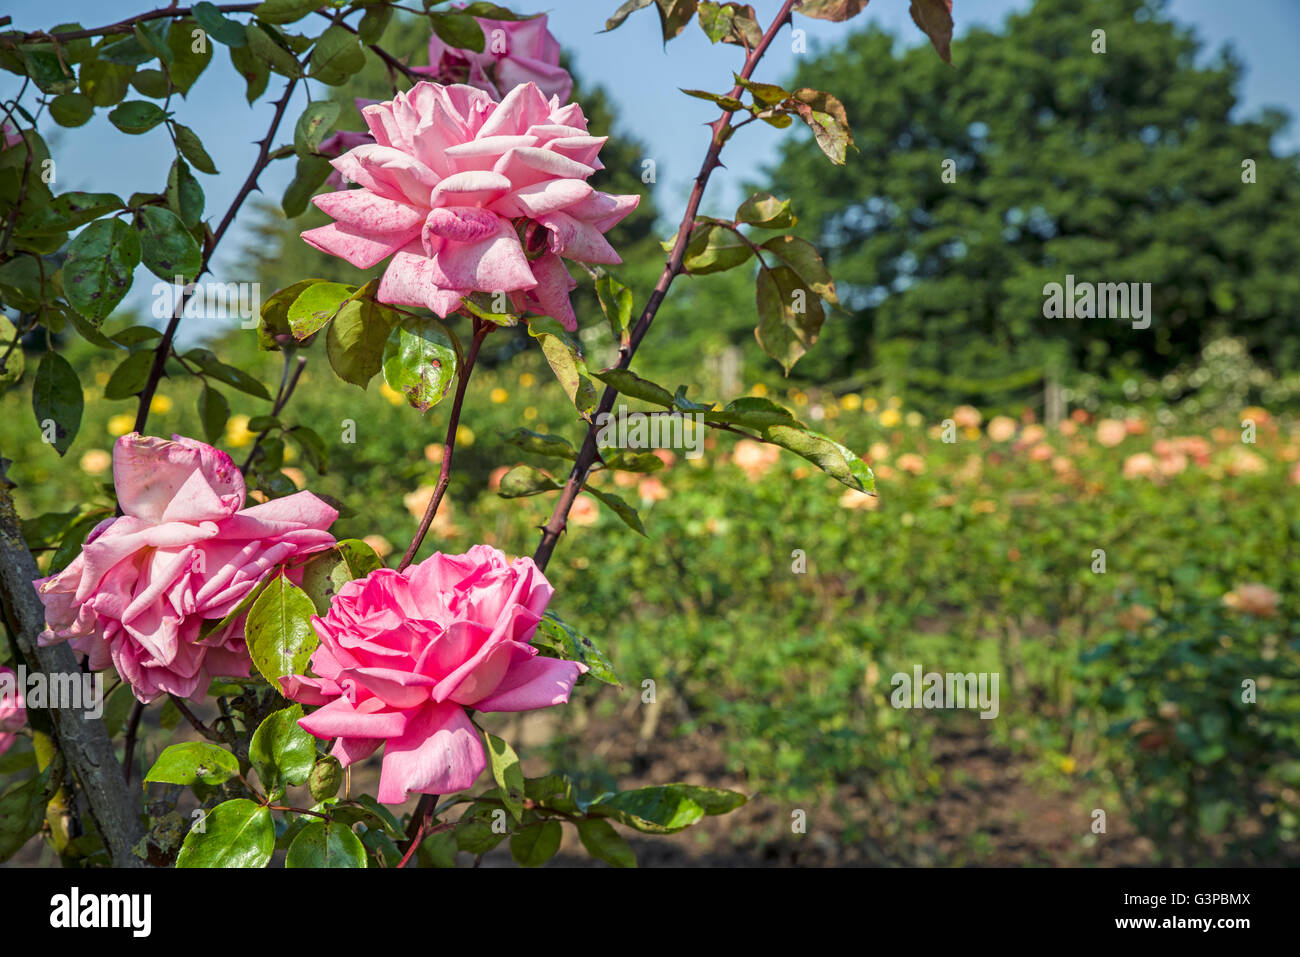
point(1122, 166)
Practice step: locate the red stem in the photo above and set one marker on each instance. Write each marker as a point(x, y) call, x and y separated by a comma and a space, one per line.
point(587, 454)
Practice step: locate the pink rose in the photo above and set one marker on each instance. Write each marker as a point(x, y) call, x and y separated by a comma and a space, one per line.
point(403, 654)
point(11, 137)
point(515, 52)
point(12, 713)
point(185, 551)
point(467, 195)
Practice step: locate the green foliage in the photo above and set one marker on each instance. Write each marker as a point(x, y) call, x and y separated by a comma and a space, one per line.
point(1122, 167)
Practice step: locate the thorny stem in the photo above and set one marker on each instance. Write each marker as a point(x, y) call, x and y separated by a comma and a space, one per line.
point(195, 723)
point(481, 329)
point(588, 453)
point(288, 382)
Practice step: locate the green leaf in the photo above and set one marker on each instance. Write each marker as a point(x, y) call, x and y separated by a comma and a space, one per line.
point(458, 30)
point(235, 833)
point(214, 410)
point(802, 256)
point(539, 444)
point(555, 638)
point(191, 147)
point(210, 365)
point(307, 178)
point(827, 454)
point(374, 23)
point(263, 46)
point(274, 326)
point(284, 11)
point(104, 82)
point(620, 508)
point(130, 376)
point(753, 411)
point(438, 850)
point(317, 120)
point(316, 305)
point(666, 808)
point(280, 635)
point(97, 272)
point(507, 774)
point(70, 210)
point(825, 116)
point(192, 762)
point(764, 94)
point(22, 811)
point(43, 66)
point(184, 194)
point(15, 363)
point(71, 109)
point(57, 398)
point(218, 27)
point(633, 462)
point(713, 248)
point(337, 56)
point(166, 246)
point(420, 361)
point(566, 362)
point(534, 845)
point(524, 480)
point(724, 100)
point(251, 67)
point(282, 752)
point(137, 116)
point(623, 12)
point(356, 338)
point(766, 212)
point(934, 17)
point(326, 844)
point(20, 283)
point(616, 302)
point(327, 572)
point(630, 384)
point(790, 315)
point(604, 843)
point(187, 64)
point(716, 19)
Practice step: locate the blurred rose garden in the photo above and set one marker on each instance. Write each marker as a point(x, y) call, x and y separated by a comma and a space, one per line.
point(1105, 515)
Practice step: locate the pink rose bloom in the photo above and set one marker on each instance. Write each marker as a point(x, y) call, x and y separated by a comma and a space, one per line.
point(12, 713)
point(468, 195)
point(185, 551)
point(403, 654)
point(11, 136)
point(515, 52)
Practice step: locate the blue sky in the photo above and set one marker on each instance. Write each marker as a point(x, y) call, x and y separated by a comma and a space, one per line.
point(631, 63)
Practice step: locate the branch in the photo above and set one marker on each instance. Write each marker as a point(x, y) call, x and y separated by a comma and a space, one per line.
point(588, 453)
point(127, 25)
point(287, 384)
point(481, 329)
point(84, 742)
